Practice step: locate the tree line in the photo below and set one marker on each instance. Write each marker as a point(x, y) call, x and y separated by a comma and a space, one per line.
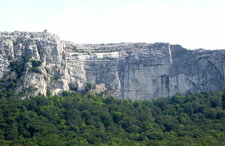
point(81, 119)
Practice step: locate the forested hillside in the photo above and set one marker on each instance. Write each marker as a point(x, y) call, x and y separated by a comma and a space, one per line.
point(80, 119)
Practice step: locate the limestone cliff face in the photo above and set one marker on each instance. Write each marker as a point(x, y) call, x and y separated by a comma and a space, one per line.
point(24, 50)
point(42, 63)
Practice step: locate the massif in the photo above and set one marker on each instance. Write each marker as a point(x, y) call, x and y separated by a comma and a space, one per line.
point(33, 63)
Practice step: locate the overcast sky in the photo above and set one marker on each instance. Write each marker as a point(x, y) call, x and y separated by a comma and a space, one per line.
point(190, 23)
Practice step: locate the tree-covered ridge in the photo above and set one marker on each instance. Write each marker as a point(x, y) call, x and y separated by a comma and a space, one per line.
point(79, 119)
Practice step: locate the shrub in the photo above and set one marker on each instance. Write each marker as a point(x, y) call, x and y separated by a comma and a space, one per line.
point(36, 70)
point(36, 63)
point(17, 66)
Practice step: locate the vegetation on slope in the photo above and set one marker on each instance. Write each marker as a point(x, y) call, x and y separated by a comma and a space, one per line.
point(79, 119)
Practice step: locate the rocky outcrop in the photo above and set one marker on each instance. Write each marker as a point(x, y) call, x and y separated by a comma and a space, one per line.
point(42, 63)
point(36, 60)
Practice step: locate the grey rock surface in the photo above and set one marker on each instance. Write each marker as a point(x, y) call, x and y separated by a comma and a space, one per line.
point(126, 70)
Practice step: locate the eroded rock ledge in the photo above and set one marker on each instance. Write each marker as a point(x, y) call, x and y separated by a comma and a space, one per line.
point(39, 62)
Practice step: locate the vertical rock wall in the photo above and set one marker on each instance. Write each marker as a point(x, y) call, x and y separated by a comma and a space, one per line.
point(41, 63)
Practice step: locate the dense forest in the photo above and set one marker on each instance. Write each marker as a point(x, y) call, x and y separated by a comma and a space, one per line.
point(91, 119)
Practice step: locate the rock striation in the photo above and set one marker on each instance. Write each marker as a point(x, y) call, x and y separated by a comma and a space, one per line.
point(39, 62)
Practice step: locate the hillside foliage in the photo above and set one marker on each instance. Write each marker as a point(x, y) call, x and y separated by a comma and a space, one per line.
point(80, 119)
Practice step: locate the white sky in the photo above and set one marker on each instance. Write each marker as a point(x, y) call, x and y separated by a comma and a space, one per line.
point(190, 23)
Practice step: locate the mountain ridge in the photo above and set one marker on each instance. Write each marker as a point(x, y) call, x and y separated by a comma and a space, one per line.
point(42, 63)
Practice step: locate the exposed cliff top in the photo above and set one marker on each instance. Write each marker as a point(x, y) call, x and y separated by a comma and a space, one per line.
point(48, 37)
point(44, 36)
point(17, 36)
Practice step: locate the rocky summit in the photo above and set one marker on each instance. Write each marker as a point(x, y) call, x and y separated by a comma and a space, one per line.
point(39, 62)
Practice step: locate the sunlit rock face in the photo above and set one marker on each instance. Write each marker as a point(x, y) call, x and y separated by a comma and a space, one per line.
point(25, 48)
point(126, 70)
